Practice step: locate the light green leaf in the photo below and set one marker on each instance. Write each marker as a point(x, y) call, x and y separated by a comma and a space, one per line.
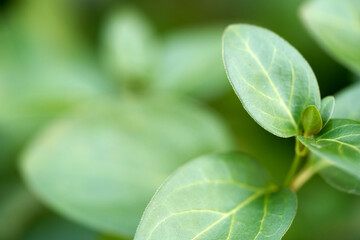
point(327, 109)
point(339, 144)
point(335, 25)
point(100, 165)
point(190, 62)
point(221, 196)
point(128, 46)
point(271, 78)
point(347, 103)
point(311, 121)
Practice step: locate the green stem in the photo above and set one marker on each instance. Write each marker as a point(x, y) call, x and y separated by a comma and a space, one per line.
point(293, 170)
point(300, 149)
point(306, 174)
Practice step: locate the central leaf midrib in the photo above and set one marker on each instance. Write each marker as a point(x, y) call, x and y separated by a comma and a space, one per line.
point(281, 101)
point(243, 204)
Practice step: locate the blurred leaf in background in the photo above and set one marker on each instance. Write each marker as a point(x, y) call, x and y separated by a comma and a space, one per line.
point(190, 63)
point(101, 165)
point(129, 47)
point(347, 103)
point(44, 70)
point(184, 61)
point(335, 25)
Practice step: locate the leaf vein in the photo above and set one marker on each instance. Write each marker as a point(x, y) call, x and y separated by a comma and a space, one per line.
point(233, 211)
point(333, 129)
point(266, 202)
point(231, 226)
point(342, 143)
point(281, 101)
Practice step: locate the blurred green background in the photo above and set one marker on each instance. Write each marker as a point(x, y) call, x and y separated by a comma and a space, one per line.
point(102, 99)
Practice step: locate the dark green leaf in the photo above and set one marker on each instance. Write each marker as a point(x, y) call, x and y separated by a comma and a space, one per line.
point(222, 196)
point(271, 78)
point(327, 108)
point(335, 25)
point(101, 165)
point(311, 121)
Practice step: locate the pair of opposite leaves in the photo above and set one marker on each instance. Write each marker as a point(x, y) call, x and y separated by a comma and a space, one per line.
point(228, 196)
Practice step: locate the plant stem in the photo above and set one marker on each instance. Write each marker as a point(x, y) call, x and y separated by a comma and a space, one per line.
point(293, 170)
point(300, 149)
point(306, 174)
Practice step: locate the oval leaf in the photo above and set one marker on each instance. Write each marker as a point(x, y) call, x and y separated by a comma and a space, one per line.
point(271, 78)
point(311, 121)
point(222, 196)
point(335, 25)
point(327, 109)
point(101, 165)
point(339, 144)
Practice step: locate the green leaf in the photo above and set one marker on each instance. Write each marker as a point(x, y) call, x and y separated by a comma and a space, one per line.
point(347, 106)
point(335, 25)
point(190, 62)
point(311, 121)
point(339, 144)
point(327, 109)
point(129, 46)
point(220, 196)
point(100, 165)
point(347, 103)
point(271, 78)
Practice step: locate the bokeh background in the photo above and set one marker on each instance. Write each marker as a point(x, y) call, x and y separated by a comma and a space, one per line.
point(100, 100)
